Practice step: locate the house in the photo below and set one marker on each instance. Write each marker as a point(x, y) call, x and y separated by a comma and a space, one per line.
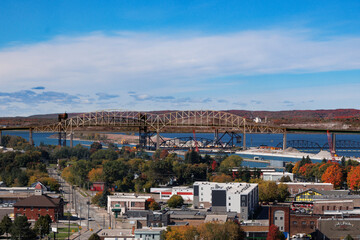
point(39, 205)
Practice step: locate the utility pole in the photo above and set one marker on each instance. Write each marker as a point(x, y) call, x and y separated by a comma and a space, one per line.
point(69, 226)
point(88, 203)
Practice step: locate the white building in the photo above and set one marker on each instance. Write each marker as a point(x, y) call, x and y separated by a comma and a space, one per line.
point(166, 193)
point(276, 176)
point(122, 202)
point(242, 198)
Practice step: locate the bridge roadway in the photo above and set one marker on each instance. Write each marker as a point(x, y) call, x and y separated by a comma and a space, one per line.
point(181, 121)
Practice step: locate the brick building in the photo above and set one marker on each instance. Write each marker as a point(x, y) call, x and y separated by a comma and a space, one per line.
point(303, 224)
point(279, 215)
point(39, 205)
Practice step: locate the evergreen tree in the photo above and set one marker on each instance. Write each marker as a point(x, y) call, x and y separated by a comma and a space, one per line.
point(42, 225)
point(21, 229)
point(5, 225)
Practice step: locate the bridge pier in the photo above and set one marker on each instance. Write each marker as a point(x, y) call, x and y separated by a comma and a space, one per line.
point(284, 140)
point(31, 140)
point(71, 139)
point(216, 136)
point(0, 138)
point(333, 140)
point(157, 139)
point(244, 140)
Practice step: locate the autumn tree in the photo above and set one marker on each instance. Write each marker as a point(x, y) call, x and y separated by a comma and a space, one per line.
point(269, 191)
point(223, 178)
point(334, 175)
point(175, 201)
point(275, 234)
point(96, 174)
point(229, 163)
point(353, 178)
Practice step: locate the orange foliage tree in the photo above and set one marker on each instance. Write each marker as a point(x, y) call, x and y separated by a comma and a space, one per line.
point(353, 178)
point(221, 178)
point(96, 174)
point(333, 174)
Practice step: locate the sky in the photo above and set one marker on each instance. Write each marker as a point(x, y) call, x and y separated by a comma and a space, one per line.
point(82, 56)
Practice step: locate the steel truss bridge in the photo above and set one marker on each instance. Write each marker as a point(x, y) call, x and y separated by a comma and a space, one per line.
point(150, 125)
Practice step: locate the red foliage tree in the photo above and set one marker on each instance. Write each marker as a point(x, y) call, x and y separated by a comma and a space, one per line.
point(274, 233)
point(353, 178)
point(214, 165)
point(333, 174)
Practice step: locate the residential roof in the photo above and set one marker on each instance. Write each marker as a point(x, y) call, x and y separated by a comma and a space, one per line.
point(39, 201)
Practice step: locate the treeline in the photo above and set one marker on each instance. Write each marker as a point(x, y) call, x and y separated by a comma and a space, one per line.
point(25, 165)
point(343, 174)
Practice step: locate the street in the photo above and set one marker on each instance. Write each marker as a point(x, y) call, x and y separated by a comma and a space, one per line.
point(91, 218)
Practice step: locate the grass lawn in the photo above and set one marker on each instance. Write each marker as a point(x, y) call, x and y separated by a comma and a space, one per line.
point(63, 232)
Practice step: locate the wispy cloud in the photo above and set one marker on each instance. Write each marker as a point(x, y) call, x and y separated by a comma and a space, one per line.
point(39, 88)
point(106, 96)
point(156, 60)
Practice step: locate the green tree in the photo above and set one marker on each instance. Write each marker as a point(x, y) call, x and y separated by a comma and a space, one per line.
point(94, 236)
point(21, 229)
point(103, 198)
point(154, 206)
point(95, 146)
point(348, 237)
point(5, 225)
point(42, 225)
point(229, 163)
point(175, 201)
point(192, 157)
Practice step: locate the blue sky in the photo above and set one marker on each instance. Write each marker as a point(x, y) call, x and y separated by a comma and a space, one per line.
point(79, 56)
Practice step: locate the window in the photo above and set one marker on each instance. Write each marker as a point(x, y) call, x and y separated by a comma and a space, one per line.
point(334, 208)
point(47, 209)
point(32, 208)
point(229, 198)
point(281, 228)
point(281, 218)
point(275, 218)
point(323, 208)
point(340, 208)
point(294, 222)
point(327, 208)
point(18, 209)
point(312, 222)
point(229, 204)
point(133, 204)
point(39, 209)
point(303, 222)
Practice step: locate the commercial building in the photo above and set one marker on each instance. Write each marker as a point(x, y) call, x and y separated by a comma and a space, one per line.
point(166, 193)
point(120, 203)
point(241, 198)
point(276, 176)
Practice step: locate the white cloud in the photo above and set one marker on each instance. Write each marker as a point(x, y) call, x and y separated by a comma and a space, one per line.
point(128, 60)
point(158, 67)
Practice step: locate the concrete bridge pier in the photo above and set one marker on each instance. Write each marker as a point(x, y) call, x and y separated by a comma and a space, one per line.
point(333, 141)
point(216, 136)
point(244, 140)
point(284, 140)
point(157, 139)
point(71, 139)
point(31, 140)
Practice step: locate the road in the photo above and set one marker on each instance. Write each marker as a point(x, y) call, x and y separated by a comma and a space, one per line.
point(91, 218)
